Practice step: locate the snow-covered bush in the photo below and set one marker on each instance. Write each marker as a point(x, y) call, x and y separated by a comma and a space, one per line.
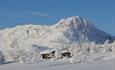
point(53, 59)
point(25, 57)
point(2, 58)
point(57, 55)
point(75, 59)
point(75, 48)
point(113, 48)
point(29, 56)
point(91, 51)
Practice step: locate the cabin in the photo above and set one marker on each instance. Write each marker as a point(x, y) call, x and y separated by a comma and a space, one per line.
point(65, 54)
point(47, 54)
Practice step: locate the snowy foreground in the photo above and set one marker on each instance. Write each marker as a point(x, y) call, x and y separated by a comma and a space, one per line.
point(107, 65)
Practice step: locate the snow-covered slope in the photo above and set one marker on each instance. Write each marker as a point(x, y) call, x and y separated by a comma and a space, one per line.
point(21, 40)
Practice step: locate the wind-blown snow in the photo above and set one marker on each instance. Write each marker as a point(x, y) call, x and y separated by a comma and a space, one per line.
point(86, 42)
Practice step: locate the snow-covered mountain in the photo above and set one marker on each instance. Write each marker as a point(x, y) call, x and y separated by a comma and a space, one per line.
point(83, 30)
point(67, 30)
point(62, 34)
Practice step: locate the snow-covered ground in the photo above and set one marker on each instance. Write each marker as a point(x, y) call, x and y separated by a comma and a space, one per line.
point(107, 65)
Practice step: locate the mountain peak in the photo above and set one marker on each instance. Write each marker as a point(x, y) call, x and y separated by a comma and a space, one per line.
point(75, 21)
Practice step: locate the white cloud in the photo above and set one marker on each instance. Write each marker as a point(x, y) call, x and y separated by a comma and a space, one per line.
point(39, 14)
point(24, 14)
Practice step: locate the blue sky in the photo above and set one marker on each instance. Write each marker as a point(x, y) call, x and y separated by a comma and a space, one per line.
point(20, 12)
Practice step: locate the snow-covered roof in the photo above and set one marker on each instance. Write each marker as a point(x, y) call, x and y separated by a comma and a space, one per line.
point(50, 50)
point(64, 51)
point(47, 51)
